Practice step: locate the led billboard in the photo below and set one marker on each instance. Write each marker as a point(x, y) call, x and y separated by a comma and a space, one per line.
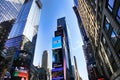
point(57, 58)
point(14, 42)
point(21, 73)
point(57, 42)
point(57, 74)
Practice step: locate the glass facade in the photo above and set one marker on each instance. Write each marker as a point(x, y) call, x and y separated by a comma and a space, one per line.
point(111, 4)
point(23, 35)
point(14, 42)
point(118, 15)
point(107, 24)
point(113, 37)
point(9, 9)
point(61, 22)
point(76, 2)
point(111, 31)
point(27, 21)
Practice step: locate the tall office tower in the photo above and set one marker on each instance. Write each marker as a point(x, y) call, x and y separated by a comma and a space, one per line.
point(61, 22)
point(8, 12)
point(74, 72)
point(9, 9)
point(76, 69)
point(87, 48)
point(23, 38)
point(61, 64)
point(45, 60)
point(45, 64)
point(101, 20)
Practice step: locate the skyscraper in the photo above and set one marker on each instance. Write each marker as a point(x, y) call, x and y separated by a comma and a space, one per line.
point(62, 22)
point(9, 9)
point(23, 37)
point(76, 70)
point(45, 64)
point(87, 48)
point(45, 60)
point(101, 21)
point(61, 60)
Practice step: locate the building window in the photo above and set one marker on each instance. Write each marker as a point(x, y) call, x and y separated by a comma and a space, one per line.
point(110, 4)
point(114, 36)
point(107, 24)
point(104, 40)
point(118, 16)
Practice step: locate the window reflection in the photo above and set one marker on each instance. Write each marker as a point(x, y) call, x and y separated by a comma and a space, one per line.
point(107, 24)
point(113, 37)
point(118, 16)
point(111, 4)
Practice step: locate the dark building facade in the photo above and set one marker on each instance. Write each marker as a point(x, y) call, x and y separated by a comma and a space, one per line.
point(61, 63)
point(62, 22)
point(9, 10)
point(22, 40)
point(101, 20)
point(108, 16)
point(5, 28)
point(87, 48)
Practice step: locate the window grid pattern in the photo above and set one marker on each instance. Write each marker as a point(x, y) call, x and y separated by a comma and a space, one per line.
point(9, 9)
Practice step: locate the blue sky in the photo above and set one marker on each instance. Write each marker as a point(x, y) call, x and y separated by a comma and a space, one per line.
point(51, 11)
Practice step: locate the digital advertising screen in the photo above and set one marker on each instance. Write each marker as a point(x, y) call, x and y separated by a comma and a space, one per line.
point(57, 58)
point(57, 74)
point(21, 73)
point(57, 42)
point(14, 42)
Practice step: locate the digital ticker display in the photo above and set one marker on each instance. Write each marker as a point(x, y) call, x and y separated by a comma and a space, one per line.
point(57, 58)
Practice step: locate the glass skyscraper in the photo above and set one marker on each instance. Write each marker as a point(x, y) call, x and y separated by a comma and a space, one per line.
point(23, 38)
point(61, 60)
point(26, 25)
point(9, 9)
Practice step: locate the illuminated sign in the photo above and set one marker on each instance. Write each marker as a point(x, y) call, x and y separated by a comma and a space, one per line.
point(57, 73)
point(57, 42)
point(21, 73)
point(57, 58)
